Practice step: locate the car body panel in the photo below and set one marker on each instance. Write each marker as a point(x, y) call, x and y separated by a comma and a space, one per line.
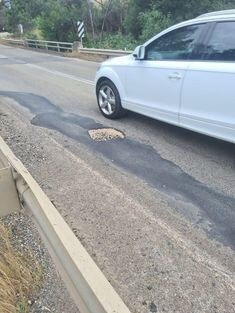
point(153, 84)
point(202, 99)
point(208, 99)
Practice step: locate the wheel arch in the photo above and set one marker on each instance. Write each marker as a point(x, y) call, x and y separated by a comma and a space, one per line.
point(109, 74)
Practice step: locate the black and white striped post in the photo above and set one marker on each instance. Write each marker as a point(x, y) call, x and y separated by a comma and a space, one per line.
point(81, 30)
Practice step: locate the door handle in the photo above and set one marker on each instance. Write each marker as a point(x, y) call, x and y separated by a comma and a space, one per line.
point(175, 76)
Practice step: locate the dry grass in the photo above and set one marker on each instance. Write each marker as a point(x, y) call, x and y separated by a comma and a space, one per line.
point(104, 134)
point(19, 276)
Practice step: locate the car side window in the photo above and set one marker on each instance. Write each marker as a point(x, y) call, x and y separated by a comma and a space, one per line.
point(175, 45)
point(221, 46)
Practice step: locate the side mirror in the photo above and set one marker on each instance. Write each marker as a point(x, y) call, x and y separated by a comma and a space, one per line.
point(139, 53)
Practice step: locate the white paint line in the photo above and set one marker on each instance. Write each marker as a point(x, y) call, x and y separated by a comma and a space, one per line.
point(3, 56)
point(57, 73)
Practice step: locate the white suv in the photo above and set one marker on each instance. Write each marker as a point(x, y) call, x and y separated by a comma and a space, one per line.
point(184, 76)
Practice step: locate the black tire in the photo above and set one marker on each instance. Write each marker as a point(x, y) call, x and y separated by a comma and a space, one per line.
point(118, 110)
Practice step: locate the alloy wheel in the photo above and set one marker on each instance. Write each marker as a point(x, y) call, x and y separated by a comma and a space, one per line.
point(107, 101)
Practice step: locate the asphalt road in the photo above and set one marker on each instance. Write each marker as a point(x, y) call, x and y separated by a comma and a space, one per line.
point(156, 210)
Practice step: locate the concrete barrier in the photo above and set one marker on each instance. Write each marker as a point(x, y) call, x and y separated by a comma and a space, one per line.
point(86, 283)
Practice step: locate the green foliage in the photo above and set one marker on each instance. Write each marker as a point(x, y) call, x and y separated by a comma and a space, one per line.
point(152, 22)
point(112, 41)
point(132, 23)
point(23, 12)
point(182, 10)
point(116, 24)
point(55, 23)
point(2, 16)
point(35, 34)
point(22, 306)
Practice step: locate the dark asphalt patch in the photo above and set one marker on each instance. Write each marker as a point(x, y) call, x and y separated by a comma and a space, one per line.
point(141, 160)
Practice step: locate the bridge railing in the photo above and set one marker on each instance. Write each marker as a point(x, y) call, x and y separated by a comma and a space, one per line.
point(65, 47)
point(49, 45)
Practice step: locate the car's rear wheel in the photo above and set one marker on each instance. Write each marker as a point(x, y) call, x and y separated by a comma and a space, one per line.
point(109, 100)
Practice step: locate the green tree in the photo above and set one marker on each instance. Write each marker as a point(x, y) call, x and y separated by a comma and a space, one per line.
point(2, 15)
point(57, 22)
point(111, 23)
point(152, 22)
point(24, 12)
point(182, 10)
point(132, 22)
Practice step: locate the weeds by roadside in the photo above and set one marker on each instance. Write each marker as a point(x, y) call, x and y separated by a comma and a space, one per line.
point(19, 276)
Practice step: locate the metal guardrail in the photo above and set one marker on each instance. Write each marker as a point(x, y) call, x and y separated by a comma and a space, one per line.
point(49, 45)
point(65, 47)
point(42, 44)
point(87, 285)
point(104, 52)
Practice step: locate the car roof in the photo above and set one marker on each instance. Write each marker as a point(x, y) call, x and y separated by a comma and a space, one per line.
point(218, 13)
point(208, 17)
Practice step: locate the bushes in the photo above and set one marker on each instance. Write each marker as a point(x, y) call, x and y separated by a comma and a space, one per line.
point(122, 24)
point(152, 22)
point(109, 41)
point(55, 24)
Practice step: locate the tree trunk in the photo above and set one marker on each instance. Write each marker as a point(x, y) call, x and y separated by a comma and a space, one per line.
point(91, 18)
point(104, 19)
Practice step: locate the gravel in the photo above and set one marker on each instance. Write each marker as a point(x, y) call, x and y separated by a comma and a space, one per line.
point(52, 296)
point(103, 134)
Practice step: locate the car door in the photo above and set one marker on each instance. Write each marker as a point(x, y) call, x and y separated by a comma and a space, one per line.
point(208, 96)
point(153, 85)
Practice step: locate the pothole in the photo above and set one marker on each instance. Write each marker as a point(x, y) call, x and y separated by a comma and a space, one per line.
point(104, 134)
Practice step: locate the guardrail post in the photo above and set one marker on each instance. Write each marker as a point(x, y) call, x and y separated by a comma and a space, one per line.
point(76, 46)
point(8, 194)
point(58, 47)
point(46, 45)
